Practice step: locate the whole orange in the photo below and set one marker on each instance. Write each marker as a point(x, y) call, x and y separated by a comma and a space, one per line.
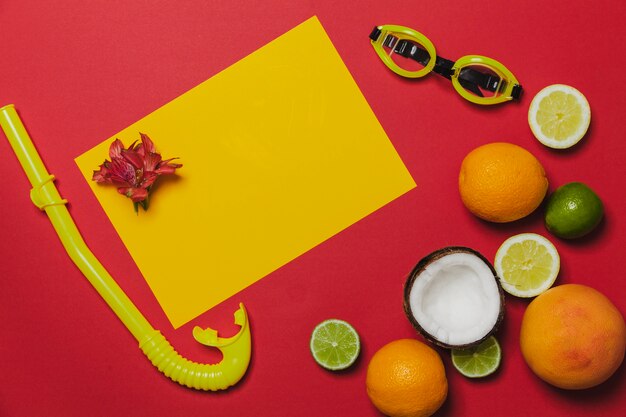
point(502, 182)
point(406, 378)
point(573, 337)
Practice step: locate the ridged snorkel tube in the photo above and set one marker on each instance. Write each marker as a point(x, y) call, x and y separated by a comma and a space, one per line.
point(236, 350)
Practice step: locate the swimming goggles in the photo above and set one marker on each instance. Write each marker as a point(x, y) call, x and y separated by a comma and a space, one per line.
point(476, 78)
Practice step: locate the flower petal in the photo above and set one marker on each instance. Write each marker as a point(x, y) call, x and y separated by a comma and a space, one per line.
point(135, 194)
point(138, 147)
point(102, 175)
point(116, 148)
point(122, 172)
point(148, 145)
point(133, 157)
point(151, 161)
point(148, 179)
point(165, 167)
point(167, 161)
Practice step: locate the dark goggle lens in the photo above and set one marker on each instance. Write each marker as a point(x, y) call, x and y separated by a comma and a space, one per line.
point(481, 81)
point(406, 53)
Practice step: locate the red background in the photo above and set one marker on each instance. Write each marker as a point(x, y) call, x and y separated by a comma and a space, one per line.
point(79, 71)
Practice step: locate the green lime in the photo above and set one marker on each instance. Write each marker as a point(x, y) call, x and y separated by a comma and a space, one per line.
point(573, 210)
point(478, 361)
point(335, 344)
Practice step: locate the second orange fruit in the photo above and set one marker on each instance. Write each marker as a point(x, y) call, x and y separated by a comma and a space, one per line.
point(502, 182)
point(406, 378)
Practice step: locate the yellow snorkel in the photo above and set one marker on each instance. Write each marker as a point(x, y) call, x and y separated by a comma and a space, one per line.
point(44, 194)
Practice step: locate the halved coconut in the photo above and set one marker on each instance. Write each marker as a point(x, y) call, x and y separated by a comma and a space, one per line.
point(454, 298)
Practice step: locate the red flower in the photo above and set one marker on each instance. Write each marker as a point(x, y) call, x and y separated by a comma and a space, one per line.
point(134, 170)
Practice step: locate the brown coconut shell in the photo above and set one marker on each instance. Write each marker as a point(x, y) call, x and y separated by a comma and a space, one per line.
point(415, 274)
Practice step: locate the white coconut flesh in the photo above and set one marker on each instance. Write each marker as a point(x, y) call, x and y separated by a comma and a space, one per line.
point(456, 299)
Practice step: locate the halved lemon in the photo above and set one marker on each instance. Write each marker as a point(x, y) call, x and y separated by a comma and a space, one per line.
point(559, 116)
point(527, 264)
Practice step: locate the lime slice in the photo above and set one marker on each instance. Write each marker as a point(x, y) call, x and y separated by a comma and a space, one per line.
point(527, 264)
point(335, 344)
point(559, 116)
point(478, 361)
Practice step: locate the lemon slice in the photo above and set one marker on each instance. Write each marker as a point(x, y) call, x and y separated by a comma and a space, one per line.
point(335, 344)
point(478, 361)
point(527, 264)
point(559, 116)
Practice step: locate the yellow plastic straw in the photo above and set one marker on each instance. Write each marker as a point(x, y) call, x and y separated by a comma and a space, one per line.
point(44, 194)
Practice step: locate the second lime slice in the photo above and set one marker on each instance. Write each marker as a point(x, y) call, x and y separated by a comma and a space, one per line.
point(478, 361)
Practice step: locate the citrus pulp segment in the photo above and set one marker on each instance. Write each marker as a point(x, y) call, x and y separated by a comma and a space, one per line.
point(527, 264)
point(559, 116)
point(478, 361)
point(335, 344)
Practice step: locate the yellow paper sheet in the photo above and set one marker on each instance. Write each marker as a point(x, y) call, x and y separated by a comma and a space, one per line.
point(280, 151)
